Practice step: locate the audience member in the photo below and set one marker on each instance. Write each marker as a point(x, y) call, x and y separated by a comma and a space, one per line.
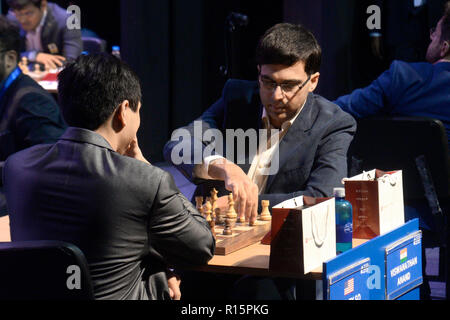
point(28, 114)
point(415, 89)
point(43, 24)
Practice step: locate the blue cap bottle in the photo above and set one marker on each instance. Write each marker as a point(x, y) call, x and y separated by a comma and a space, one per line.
point(344, 221)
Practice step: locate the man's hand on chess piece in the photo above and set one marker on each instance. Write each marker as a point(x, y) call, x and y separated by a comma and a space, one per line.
point(50, 61)
point(135, 152)
point(245, 192)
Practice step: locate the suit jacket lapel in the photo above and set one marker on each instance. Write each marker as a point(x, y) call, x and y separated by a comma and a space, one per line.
point(47, 27)
point(296, 136)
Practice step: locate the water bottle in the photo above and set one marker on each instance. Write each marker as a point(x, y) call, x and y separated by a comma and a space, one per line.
point(344, 222)
point(116, 52)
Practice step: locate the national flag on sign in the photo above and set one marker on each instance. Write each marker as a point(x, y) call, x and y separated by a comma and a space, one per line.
point(404, 255)
point(349, 286)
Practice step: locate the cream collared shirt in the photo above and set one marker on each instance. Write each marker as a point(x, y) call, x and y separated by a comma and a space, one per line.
point(262, 159)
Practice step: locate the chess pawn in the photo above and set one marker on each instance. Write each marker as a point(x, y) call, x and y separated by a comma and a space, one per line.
point(265, 213)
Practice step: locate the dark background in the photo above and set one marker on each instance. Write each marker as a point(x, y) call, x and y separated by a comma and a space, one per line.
point(178, 46)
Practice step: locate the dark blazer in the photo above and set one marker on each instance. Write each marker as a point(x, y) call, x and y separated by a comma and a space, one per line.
point(127, 217)
point(313, 153)
point(55, 32)
point(414, 89)
point(28, 116)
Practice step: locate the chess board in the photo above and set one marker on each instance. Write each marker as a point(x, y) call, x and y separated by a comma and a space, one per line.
point(243, 236)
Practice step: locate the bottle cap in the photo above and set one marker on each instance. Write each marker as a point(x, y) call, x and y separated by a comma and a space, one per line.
point(115, 48)
point(339, 192)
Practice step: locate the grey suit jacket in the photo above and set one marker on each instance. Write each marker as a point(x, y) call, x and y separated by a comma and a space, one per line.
point(312, 155)
point(55, 32)
point(127, 217)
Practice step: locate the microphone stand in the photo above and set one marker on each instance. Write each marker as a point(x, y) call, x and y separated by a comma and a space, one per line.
point(233, 21)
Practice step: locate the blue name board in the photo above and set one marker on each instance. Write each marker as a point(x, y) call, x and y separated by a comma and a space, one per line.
point(350, 283)
point(404, 266)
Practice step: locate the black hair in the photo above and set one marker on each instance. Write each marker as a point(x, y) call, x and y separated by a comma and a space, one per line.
point(287, 44)
point(93, 86)
point(9, 36)
point(20, 4)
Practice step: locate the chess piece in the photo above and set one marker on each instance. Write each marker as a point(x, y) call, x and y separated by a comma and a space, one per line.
point(214, 198)
point(219, 217)
point(199, 204)
point(265, 213)
point(24, 65)
point(228, 227)
point(231, 213)
point(208, 211)
point(37, 68)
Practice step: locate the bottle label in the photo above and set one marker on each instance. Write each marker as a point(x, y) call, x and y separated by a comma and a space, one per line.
point(344, 233)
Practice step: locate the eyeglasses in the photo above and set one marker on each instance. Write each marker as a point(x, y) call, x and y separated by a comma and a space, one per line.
point(288, 88)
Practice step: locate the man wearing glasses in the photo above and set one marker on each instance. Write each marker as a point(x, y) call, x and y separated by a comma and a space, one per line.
point(44, 26)
point(312, 137)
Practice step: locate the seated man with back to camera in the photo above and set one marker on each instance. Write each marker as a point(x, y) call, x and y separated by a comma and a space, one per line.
point(47, 38)
point(307, 152)
point(95, 189)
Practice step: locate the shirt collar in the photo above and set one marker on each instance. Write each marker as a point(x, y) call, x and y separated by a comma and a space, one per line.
point(286, 125)
point(85, 136)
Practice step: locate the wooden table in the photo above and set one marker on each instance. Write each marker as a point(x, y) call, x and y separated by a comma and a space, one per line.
point(254, 260)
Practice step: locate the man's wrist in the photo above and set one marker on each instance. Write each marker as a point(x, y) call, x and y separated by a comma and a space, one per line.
point(217, 168)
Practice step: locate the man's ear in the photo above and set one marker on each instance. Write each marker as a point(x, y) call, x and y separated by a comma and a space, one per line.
point(120, 117)
point(314, 81)
point(445, 49)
